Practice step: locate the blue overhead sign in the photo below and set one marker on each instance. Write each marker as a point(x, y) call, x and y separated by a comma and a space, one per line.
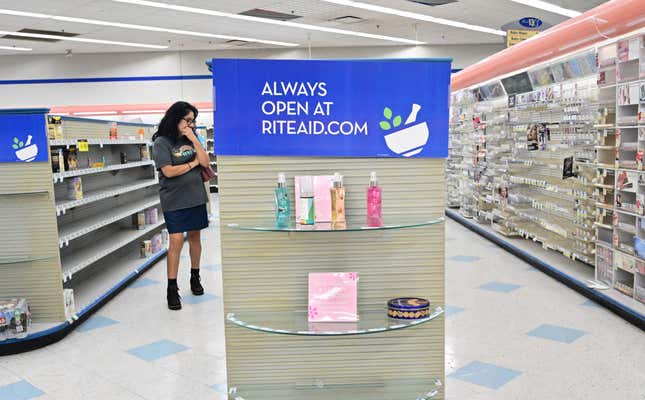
point(23, 137)
point(531, 22)
point(384, 108)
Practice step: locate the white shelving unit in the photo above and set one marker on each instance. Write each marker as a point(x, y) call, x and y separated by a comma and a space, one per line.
point(96, 232)
point(543, 117)
point(620, 178)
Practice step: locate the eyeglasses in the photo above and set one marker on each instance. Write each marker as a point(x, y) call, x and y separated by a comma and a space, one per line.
point(190, 121)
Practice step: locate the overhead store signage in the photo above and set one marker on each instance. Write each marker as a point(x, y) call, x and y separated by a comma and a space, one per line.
point(328, 108)
point(531, 22)
point(515, 36)
point(23, 137)
point(525, 28)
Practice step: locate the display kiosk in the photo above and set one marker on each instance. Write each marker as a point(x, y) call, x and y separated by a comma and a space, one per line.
point(317, 118)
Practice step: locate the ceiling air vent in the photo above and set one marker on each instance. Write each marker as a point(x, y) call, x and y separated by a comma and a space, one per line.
point(268, 14)
point(237, 43)
point(433, 3)
point(40, 32)
point(347, 19)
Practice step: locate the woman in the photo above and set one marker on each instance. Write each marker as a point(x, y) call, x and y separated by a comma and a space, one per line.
point(179, 156)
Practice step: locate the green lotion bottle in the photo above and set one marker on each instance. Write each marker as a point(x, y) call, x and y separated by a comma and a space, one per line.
point(282, 204)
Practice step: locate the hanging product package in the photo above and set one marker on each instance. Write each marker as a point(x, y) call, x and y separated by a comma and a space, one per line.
point(639, 246)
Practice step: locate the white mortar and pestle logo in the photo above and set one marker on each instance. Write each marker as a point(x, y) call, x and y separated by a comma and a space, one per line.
point(26, 152)
point(410, 140)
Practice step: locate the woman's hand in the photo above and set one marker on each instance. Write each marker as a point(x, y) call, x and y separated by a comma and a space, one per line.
point(190, 134)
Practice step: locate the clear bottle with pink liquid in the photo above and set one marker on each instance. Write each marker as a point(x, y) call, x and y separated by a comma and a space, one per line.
point(374, 215)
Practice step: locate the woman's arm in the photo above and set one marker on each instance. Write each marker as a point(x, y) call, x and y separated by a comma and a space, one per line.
point(171, 171)
point(202, 157)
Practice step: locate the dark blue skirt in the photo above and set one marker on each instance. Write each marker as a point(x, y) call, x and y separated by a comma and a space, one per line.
point(186, 219)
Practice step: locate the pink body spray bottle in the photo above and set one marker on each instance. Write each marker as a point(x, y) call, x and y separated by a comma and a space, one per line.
point(374, 216)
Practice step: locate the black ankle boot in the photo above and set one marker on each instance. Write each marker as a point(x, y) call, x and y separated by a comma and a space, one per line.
point(173, 297)
point(195, 283)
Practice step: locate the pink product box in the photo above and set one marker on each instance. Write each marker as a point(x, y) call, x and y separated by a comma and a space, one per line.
point(333, 297)
point(322, 196)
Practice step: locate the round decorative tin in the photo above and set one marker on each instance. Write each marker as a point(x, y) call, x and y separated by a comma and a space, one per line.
point(408, 308)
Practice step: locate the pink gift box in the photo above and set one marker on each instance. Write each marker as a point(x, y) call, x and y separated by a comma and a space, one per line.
point(333, 297)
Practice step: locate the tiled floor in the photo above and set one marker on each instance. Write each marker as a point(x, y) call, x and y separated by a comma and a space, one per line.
point(512, 333)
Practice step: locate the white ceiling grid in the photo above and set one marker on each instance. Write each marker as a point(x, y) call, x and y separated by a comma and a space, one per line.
point(488, 13)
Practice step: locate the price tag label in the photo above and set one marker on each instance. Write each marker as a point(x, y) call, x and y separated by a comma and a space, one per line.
point(83, 146)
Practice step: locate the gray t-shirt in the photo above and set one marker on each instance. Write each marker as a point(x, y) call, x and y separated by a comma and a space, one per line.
point(183, 191)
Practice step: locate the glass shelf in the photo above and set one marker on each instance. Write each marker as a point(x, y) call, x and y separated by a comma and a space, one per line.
point(351, 226)
point(296, 323)
point(392, 390)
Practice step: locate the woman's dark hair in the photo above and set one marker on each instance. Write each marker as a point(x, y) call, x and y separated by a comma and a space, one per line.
point(169, 122)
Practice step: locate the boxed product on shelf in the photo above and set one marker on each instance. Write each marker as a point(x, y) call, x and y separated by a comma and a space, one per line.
point(145, 248)
point(151, 216)
point(114, 130)
point(144, 152)
point(55, 153)
point(70, 306)
point(157, 243)
point(139, 220)
point(165, 237)
point(71, 158)
point(75, 188)
point(54, 127)
point(15, 318)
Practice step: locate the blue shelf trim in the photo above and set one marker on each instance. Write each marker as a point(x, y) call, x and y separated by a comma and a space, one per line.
point(24, 111)
point(106, 79)
point(628, 314)
point(52, 335)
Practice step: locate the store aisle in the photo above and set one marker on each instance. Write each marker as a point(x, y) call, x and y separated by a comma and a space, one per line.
point(512, 333)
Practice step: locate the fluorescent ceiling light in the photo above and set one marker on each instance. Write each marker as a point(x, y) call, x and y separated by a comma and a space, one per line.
point(543, 5)
point(76, 39)
point(417, 16)
point(141, 27)
point(247, 18)
point(14, 48)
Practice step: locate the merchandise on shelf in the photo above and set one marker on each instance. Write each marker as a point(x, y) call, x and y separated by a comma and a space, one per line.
point(70, 305)
point(338, 220)
point(145, 248)
point(374, 206)
point(15, 318)
point(139, 220)
point(282, 203)
point(408, 308)
point(157, 243)
point(114, 131)
point(75, 188)
point(306, 210)
point(333, 297)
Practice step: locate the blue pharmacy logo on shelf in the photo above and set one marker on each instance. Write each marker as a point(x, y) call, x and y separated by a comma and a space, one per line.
point(23, 138)
point(25, 151)
point(332, 108)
